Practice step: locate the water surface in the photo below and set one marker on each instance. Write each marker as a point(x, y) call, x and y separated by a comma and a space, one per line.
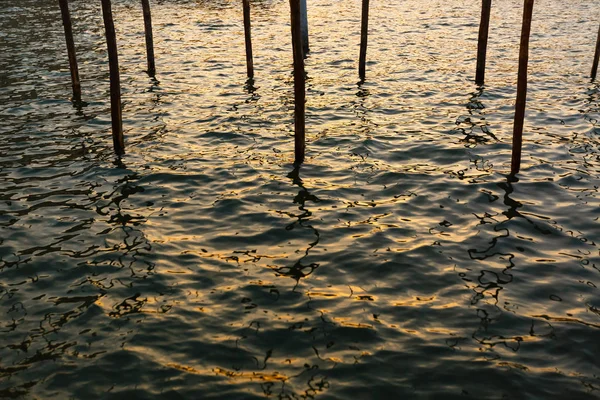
point(398, 262)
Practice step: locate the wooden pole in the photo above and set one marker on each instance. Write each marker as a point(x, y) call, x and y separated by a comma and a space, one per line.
point(115, 80)
point(299, 83)
point(484, 29)
point(521, 88)
point(248, 34)
point(364, 33)
point(149, 37)
point(66, 17)
point(304, 20)
point(596, 58)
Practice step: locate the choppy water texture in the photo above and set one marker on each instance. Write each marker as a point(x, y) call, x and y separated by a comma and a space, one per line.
point(398, 261)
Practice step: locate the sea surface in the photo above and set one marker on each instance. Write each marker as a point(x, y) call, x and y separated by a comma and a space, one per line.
point(399, 261)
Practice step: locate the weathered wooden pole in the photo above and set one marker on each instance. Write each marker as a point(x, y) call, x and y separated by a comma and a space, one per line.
point(304, 20)
point(364, 33)
point(596, 57)
point(66, 17)
point(521, 88)
point(248, 34)
point(484, 29)
point(115, 80)
point(299, 83)
point(149, 37)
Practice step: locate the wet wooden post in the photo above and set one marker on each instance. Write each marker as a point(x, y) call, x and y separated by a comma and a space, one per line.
point(521, 88)
point(364, 33)
point(596, 58)
point(248, 34)
point(484, 29)
point(299, 83)
point(149, 37)
point(66, 17)
point(115, 80)
point(304, 21)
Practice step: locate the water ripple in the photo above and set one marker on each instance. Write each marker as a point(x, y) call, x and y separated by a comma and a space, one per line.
point(399, 260)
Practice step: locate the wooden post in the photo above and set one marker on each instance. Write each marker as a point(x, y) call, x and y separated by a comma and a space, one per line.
point(596, 58)
point(66, 17)
point(248, 34)
point(484, 29)
point(115, 80)
point(149, 38)
point(521, 88)
point(304, 20)
point(364, 33)
point(299, 83)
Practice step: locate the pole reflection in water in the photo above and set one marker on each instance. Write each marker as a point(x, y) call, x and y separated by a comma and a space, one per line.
point(474, 125)
point(299, 270)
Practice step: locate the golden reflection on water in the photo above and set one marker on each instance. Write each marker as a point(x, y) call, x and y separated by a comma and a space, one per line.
point(398, 260)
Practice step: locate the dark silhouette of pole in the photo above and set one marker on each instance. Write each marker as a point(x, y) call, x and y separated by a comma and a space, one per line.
point(304, 19)
point(299, 84)
point(66, 17)
point(364, 33)
point(115, 80)
point(484, 29)
point(596, 57)
point(521, 88)
point(149, 38)
point(248, 34)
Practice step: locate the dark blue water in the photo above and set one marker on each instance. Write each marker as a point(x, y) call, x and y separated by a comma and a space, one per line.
point(398, 262)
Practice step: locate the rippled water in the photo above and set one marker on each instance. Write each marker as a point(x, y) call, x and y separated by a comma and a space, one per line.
point(398, 261)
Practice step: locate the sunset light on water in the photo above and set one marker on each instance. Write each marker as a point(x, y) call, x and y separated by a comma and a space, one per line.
point(400, 260)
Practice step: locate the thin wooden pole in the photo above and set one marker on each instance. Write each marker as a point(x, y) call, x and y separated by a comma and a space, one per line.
point(521, 88)
point(248, 34)
point(596, 58)
point(115, 80)
point(364, 33)
point(484, 29)
point(149, 37)
point(304, 20)
point(299, 83)
point(66, 17)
